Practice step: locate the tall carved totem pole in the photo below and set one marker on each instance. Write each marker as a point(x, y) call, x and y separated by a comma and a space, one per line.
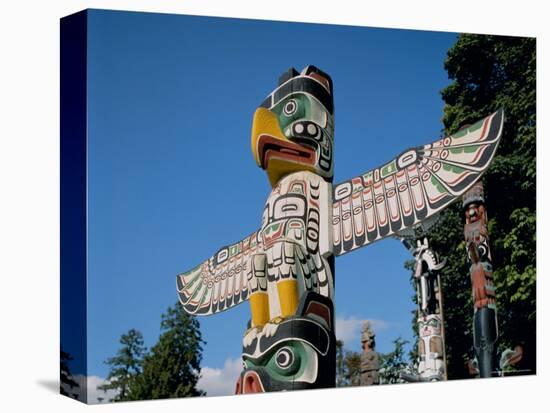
point(285, 269)
point(431, 344)
point(481, 276)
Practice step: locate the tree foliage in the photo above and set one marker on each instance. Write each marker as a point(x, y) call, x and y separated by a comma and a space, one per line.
point(125, 366)
point(488, 73)
point(393, 363)
point(67, 383)
point(348, 366)
point(171, 368)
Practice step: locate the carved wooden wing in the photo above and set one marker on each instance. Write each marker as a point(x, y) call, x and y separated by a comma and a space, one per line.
point(220, 282)
point(412, 187)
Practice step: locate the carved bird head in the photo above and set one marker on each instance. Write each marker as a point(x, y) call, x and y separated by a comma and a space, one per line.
point(293, 129)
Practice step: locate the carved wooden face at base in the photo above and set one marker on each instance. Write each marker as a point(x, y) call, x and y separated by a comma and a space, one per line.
point(297, 353)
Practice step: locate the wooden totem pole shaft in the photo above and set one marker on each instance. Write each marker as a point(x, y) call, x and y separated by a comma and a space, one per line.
point(430, 317)
point(481, 274)
point(442, 314)
point(431, 334)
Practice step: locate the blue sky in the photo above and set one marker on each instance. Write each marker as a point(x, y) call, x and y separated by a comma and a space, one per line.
point(171, 175)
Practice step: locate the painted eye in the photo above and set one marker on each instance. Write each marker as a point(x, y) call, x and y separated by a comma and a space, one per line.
point(482, 250)
point(284, 358)
point(311, 129)
point(290, 107)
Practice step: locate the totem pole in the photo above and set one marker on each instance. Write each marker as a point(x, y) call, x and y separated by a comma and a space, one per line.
point(285, 269)
point(481, 276)
point(431, 343)
point(370, 361)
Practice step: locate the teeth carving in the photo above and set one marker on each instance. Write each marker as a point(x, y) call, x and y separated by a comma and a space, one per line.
point(289, 253)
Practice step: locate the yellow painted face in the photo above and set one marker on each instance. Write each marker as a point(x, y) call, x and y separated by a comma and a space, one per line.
point(274, 152)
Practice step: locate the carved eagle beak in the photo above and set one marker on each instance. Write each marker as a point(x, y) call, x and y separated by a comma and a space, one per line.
point(273, 151)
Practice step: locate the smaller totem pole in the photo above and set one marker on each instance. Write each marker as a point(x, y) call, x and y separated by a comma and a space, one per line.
point(370, 361)
point(481, 275)
point(431, 345)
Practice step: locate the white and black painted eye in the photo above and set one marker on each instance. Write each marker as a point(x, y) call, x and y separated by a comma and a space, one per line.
point(290, 107)
point(284, 358)
point(482, 250)
point(292, 205)
point(307, 130)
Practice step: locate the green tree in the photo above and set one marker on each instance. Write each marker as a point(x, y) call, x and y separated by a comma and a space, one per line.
point(340, 368)
point(352, 363)
point(125, 366)
point(393, 363)
point(172, 367)
point(488, 73)
point(67, 383)
point(348, 366)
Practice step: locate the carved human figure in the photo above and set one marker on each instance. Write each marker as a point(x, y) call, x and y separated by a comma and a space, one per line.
point(481, 276)
point(370, 360)
point(285, 269)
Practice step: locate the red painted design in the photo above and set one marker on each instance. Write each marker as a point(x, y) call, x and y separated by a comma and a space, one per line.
point(270, 147)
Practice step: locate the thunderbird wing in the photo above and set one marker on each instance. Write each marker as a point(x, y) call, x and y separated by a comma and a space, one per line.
point(412, 187)
point(220, 282)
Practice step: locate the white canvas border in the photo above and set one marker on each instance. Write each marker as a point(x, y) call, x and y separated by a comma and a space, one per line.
point(29, 220)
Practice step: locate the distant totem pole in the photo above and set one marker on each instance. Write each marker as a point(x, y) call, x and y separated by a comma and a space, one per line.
point(431, 343)
point(370, 360)
point(285, 269)
point(481, 276)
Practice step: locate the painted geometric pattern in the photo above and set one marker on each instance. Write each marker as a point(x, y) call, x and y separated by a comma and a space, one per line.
point(412, 187)
point(220, 282)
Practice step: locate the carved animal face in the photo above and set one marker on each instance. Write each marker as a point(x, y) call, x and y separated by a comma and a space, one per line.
point(430, 325)
point(474, 212)
point(293, 129)
point(297, 353)
point(430, 348)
